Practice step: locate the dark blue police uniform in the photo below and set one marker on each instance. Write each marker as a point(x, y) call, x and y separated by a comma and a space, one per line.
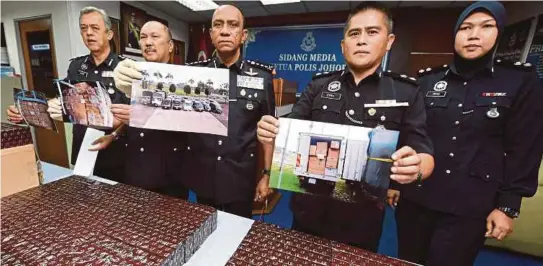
point(488, 135)
point(110, 162)
point(222, 170)
point(335, 98)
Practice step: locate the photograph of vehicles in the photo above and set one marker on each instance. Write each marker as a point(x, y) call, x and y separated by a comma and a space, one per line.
point(86, 103)
point(348, 163)
point(32, 106)
point(181, 98)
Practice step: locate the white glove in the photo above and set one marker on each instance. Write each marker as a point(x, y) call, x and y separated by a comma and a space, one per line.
point(126, 72)
point(54, 109)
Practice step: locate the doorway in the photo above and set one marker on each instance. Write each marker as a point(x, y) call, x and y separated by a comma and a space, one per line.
point(40, 67)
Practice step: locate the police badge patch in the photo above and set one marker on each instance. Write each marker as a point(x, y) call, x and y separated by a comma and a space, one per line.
point(334, 86)
point(440, 85)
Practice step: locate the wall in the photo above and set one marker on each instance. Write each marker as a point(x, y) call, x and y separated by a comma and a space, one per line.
point(517, 11)
point(13, 11)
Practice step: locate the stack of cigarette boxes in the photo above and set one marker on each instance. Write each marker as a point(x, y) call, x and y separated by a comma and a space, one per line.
point(78, 221)
point(267, 244)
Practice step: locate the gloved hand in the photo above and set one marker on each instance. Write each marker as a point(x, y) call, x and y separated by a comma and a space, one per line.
point(54, 109)
point(126, 72)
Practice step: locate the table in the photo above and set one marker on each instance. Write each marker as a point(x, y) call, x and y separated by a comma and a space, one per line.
point(218, 247)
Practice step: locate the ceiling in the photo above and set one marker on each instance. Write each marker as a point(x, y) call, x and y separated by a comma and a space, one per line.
point(256, 9)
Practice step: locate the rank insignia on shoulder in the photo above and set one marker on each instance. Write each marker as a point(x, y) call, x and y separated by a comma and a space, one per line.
point(266, 67)
point(325, 74)
point(517, 65)
point(401, 77)
point(430, 70)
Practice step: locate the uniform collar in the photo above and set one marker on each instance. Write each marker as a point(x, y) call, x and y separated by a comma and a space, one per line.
point(217, 63)
point(374, 76)
point(488, 68)
point(110, 59)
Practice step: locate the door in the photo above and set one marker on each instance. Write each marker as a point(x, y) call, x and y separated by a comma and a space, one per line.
point(40, 66)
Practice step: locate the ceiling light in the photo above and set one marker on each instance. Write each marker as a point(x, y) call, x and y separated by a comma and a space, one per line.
point(199, 5)
point(276, 2)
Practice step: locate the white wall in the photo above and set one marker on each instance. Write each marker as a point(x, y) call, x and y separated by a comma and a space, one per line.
point(13, 11)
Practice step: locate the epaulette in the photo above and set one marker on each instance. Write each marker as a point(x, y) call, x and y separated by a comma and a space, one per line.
point(260, 65)
point(515, 65)
point(401, 77)
point(77, 57)
point(121, 57)
point(430, 70)
point(326, 74)
point(196, 63)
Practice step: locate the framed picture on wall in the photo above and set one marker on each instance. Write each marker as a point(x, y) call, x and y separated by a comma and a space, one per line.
point(115, 42)
point(178, 55)
point(132, 19)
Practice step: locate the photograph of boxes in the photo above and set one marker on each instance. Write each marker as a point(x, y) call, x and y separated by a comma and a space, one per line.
point(32, 106)
point(344, 162)
point(195, 99)
point(85, 103)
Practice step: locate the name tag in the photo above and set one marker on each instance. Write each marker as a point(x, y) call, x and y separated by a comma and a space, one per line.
point(436, 94)
point(375, 105)
point(256, 83)
point(107, 74)
point(331, 95)
point(494, 94)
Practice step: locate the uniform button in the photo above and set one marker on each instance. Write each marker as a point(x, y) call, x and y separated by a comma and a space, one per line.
point(453, 138)
point(110, 84)
point(141, 134)
point(219, 158)
point(188, 148)
point(142, 149)
point(126, 145)
point(457, 122)
point(448, 171)
point(432, 103)
point(459, 105)
point(357, 94)
point(174, 149)
point(465, 83)
point(351, 112)
point(95, 71)
point(324, 107)
point(252, 155)
point(220, 142)
point(451, 154)
point(487, 176)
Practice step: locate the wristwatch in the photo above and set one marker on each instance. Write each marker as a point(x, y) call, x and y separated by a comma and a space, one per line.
point(266, 172)
point(510, 212)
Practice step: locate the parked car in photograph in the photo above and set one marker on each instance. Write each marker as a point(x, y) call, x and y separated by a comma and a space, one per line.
point(177, 104)
point(215, 107)
point(207, 108)
point(198, 106)
point(187, 105)
point(158, 97)
point(145, 100)
point(167, 103)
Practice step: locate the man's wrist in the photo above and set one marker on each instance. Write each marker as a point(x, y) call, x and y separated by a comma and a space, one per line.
point(510, 212)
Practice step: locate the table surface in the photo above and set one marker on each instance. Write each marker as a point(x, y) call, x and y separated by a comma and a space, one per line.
point(216, 250)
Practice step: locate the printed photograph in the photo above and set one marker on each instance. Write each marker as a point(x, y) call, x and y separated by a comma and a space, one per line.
point(85, 103)
point(32, 106)
point(181, 98)
point(347, 163)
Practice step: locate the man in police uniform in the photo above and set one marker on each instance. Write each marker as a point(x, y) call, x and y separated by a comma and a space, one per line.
point(484, 117)
point(154, 157)
point(221, 170)
point(361, 95)
point(95, 29)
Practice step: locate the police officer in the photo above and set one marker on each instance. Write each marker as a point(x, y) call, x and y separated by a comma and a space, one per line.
point(221, 170)
point(484, 117)
point(95, 29)
point(342, 97)
point(154, 157)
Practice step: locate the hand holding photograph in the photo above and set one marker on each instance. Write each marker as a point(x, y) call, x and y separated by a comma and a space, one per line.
point(32, 106)
point(347, 163)
point(181, 98)
point(85, 103)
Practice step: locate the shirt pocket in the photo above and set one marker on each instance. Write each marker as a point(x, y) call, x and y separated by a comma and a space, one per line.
point(491, 113)
point(390, 117)
point(327, 110)
point(435, 109)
